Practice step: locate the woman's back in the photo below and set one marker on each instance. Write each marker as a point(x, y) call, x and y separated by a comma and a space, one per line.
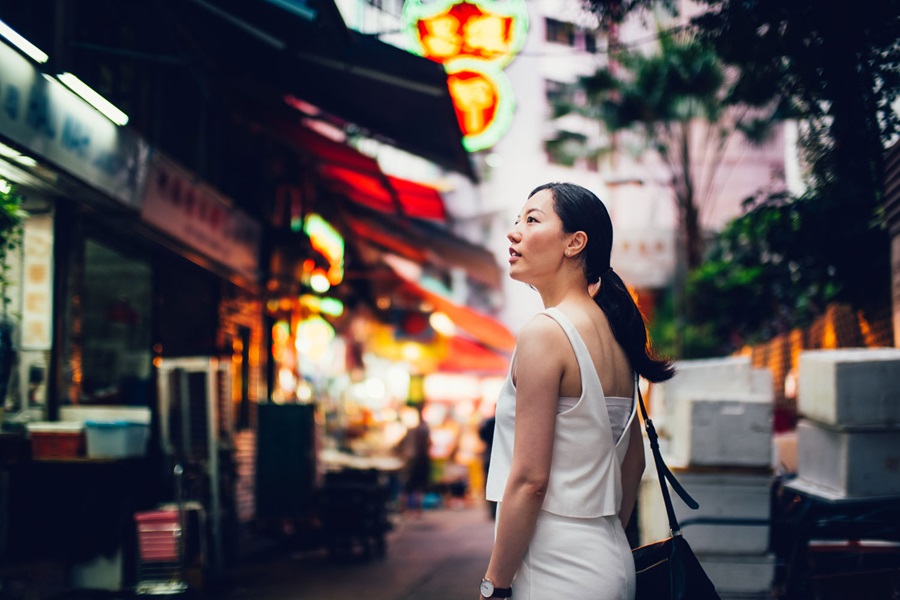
point(610, 362)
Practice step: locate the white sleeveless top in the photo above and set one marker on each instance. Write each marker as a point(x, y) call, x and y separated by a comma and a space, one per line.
point(585, 470)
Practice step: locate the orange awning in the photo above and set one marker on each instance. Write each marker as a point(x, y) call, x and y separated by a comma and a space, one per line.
point(465, 356)
point(479, 326)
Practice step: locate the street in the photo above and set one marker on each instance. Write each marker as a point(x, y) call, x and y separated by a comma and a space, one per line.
point(440, 555)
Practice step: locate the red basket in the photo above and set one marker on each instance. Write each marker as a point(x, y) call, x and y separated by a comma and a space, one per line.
point(159, 535)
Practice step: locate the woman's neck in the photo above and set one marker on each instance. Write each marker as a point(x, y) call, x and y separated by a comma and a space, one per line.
point(563, 295)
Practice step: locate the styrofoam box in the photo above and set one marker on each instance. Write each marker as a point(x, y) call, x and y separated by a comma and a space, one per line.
point(853, 387)
point(132, 414)
point(720, 495)
point(728, 429)
point(851, 463)
point(741, 574)
point(762, 382)
point(711, 376)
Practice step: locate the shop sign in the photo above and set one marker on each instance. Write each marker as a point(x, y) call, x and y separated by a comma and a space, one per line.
point(37, 283)
point(201, 218)
point(52, 122)
point(474, 41)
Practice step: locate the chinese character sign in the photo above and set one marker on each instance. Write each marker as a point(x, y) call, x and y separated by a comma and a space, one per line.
point(474, 41)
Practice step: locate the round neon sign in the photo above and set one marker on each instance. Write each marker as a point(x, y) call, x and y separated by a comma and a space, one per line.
point(474, 41)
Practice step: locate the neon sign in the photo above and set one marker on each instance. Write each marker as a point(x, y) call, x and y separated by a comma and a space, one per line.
point(328, 242)
point(473, 40)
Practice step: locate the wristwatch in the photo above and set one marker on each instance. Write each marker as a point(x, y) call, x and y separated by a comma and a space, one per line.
point(489, 591)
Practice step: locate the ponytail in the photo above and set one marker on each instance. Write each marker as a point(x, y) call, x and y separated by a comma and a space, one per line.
point(629, 328)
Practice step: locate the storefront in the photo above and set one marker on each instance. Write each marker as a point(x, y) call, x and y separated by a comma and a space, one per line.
point(128, 270)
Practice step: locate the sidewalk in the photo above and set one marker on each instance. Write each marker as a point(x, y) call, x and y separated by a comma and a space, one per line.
point(440, 555)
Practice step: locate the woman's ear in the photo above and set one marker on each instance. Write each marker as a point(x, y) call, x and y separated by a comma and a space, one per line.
point(576, 244)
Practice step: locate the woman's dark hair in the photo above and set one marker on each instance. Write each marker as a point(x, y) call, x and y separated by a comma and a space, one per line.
point(580, 209)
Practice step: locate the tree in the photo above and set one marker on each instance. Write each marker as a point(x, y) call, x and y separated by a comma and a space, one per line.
point(672, 98)
point(837, 68)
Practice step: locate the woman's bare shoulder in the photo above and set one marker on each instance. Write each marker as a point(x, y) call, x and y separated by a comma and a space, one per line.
point(541, 333)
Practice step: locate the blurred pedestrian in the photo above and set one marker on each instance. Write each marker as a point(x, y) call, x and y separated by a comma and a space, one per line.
point(486, 433)
point(567, 458)
point(455, 478)
point(417, 452)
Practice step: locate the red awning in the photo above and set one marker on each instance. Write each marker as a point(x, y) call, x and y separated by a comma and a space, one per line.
point(434, 245)
point(465, 356)
point(383, 193)
point(364, 229)
point(359, 178)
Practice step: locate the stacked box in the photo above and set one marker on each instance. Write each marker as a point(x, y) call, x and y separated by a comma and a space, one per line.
point(848, 437)
point(739, 576)
point(727, 429)
point(859, 387)
point(711, 376)
point(851, 464)
point(715, 422)
point(56, 439)
point(721, 495)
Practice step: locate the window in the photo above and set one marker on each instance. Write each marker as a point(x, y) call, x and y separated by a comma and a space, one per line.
point(116, 331)
point(555, 90)
point(563, 97)
point(565, 148)
point(560, 32)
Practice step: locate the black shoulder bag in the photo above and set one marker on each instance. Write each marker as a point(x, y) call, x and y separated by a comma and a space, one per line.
point(668, 569)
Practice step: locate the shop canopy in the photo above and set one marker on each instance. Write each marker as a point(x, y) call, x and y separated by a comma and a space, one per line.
point(479, 326)
point(483, 328)
point(274, 49)
point(424, 243)
point(359, 178)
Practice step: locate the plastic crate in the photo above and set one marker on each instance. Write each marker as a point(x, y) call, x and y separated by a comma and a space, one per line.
point(116, 439)
point(159, 535)
point(56, 439)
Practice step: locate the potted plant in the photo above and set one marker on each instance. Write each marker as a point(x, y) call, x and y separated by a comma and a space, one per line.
point(12, 217)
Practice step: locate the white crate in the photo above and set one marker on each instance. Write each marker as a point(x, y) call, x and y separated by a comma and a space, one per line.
point(762, 382)
point(853, 387)
point(720, 495)
point(711, 376)
point(739, 574)
point(728, 429)
point(853, 464)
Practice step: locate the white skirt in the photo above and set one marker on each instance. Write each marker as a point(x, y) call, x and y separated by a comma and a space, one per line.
point(576, 559)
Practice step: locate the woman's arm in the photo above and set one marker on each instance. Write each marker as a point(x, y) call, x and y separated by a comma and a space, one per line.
point(539, 369)
point(632, 469)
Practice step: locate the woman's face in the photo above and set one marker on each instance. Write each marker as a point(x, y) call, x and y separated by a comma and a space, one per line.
point(537, 242)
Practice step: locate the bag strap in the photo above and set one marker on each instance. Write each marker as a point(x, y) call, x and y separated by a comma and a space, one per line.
point(664, 473)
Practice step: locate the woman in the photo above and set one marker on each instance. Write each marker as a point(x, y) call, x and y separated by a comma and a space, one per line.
point(568, 454)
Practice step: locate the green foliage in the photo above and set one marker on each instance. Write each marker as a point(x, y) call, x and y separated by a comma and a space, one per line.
point(677, 338)
point(667, 97)
point(11, 219)
point(683, 81)
point(780, 264)
point(839, 71)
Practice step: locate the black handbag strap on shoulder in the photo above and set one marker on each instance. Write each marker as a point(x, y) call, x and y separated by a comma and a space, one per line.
point(664, 473)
